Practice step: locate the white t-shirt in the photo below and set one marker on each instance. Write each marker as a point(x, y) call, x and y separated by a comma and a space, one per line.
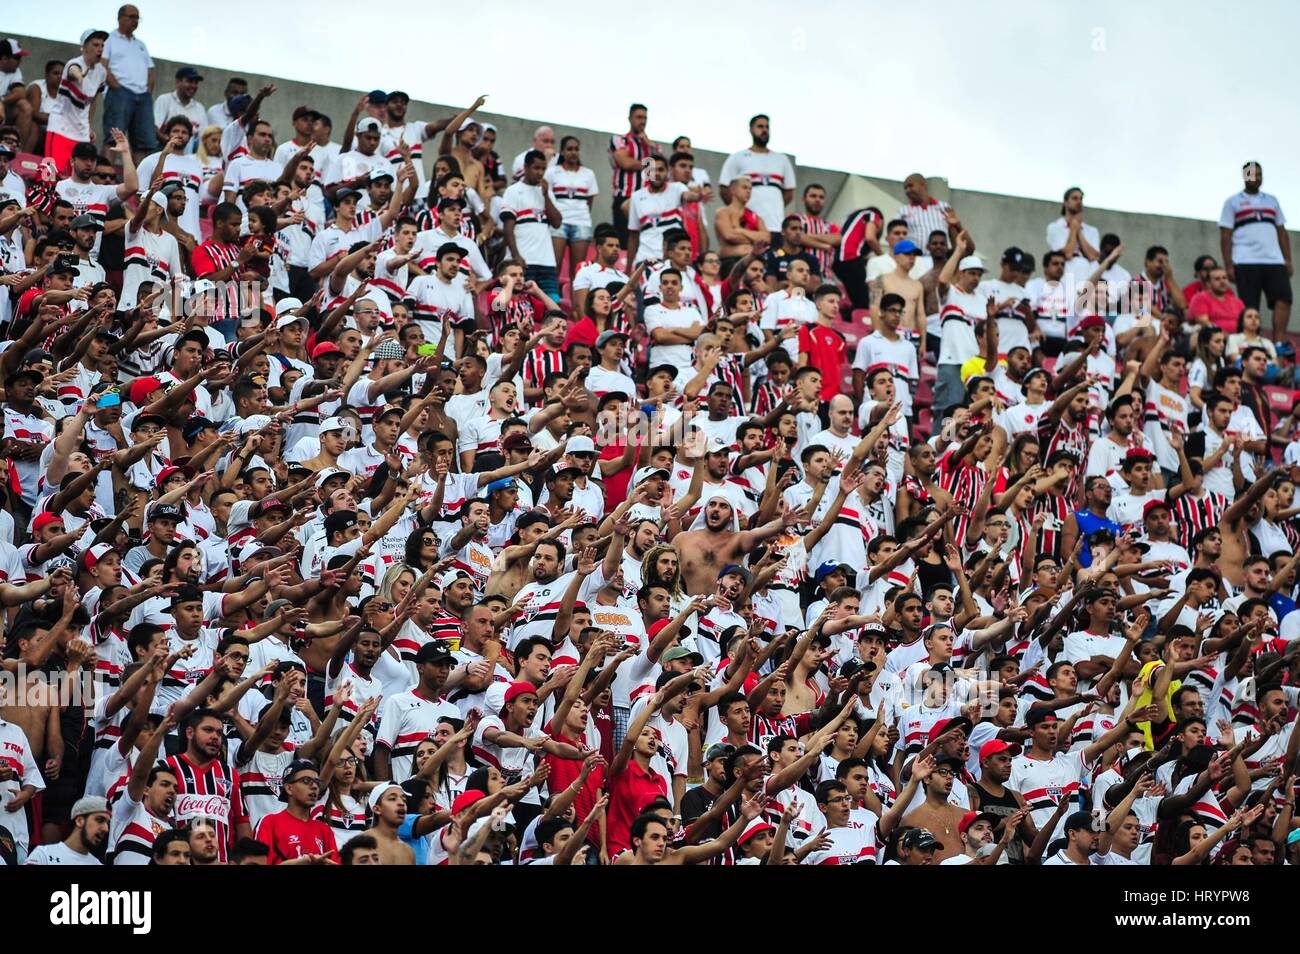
point(570, 192)
point(527, 206)
point(652, 214)
point(772, 173)
point(658, 316)
point(1254, 220)
point(70, 117)
point(961, 310)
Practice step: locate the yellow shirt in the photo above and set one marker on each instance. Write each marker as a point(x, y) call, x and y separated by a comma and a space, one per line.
point(1146, 679)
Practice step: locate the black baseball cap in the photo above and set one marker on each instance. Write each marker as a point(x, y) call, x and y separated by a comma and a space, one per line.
point(188, 72)
point(434, 652)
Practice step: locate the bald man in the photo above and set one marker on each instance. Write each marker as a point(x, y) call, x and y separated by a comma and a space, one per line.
point(838, 436)
point(543, 142)
point(925, 214)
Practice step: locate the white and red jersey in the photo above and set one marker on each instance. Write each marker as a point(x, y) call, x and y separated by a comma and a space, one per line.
point(212, 792)
point(595, 275)
point(652, 212)
point(1045, 782)
point(849, 846)
point(436, 299)
point(413, 134)
point(32, 429)
point(333, 240)
point(526, 206)
point(70, 114)
point(149, 257)
point(781, 309)
point(1164, 411)
point(364, 688)
point(246, 169)
point(472, 262)
point(772, 174)
point(571, 191)
point(897, 356)
point(960, 311)
point(513, 762)
point(16, 753)
point(627, 181)
point(1254, 220)
point(132, 832)
point(184, 169)
point(540, 604)
point(260, 781)
point(405, 720)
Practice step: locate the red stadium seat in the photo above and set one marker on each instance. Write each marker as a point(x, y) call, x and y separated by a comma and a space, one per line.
point(1280, 399)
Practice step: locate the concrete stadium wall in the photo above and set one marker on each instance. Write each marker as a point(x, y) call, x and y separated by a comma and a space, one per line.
point(995, 221)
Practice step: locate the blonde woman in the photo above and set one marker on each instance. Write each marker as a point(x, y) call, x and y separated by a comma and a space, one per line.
point(209, 155)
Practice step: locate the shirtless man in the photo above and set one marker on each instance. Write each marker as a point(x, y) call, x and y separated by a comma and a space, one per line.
point(738, 228)
point(459, 143)
point(1235, 527)
point(388, 807)
point(900, 282)
point(512, 569)
point(720, 542)
point(936, 813)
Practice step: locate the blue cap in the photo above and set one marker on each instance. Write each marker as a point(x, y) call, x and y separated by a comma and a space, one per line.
point(825, 570)
point(735, 568)
point(505, 483)
point(188, 72)
point(905, 247)
point(239, 103)
point(377, 97)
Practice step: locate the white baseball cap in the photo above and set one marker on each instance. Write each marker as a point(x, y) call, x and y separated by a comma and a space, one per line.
point(334, 424)
point(645, 473)
point(580, 444)
point(329, 472)
point(368, 125)
point(971, 262)
point(286, 305)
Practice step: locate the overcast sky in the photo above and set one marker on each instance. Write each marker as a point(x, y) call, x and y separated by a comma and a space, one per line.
point(1150, 106)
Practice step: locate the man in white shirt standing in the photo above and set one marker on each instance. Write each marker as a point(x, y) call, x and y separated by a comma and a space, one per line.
point(527, 217)
point(128, 104)
point(181, 102)
point(1256, 248)
point(771, 172)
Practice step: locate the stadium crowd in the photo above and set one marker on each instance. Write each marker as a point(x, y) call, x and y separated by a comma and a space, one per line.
point(369, 506)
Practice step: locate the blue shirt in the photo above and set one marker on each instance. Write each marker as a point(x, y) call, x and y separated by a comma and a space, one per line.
point(1088, 523)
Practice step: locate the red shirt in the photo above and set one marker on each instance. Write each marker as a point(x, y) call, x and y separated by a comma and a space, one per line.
point(565, 771)
point(289, 837)
point(629, 793)
point(1222, 312)
point(825, 349)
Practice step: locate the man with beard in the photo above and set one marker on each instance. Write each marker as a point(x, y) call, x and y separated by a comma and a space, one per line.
point(1092, 518)
point(145, 809)
point(715, 540)
point(540, 599)
point(1106, 455)
point(90, 821)
point(206, 787)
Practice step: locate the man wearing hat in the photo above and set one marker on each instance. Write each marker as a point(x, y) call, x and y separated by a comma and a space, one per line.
point(85, 230)
point(441, 295)
point(1016, 324)
point(408, 717)
point(607, 374)
point(398, 129)
point(450, 215)
point(990, 794)
point(84, 78)
point(180, 169)
point(351, 169)
point(181, 102)
point(964, 305)
point(1080, 831)
point(388, 375)
point(90, 822)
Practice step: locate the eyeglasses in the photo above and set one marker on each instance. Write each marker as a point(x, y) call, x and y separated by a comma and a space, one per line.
point(892, 310)
point(949, 773)
point(242, 657)
point(349, 761)
point(314, 782)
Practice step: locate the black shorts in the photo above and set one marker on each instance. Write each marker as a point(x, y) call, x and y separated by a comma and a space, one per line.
point(1272, 280)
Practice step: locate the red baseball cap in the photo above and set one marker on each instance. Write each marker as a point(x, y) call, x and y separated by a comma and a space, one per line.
point(1092, 321)
point(756, 828)
point(971, 818)
point(45, 519)
point(656, 628)
point(517, 689)
point(466, 799)
point(325, 347)
point(141, 388)
point(1154, 505)
point(995, 746)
